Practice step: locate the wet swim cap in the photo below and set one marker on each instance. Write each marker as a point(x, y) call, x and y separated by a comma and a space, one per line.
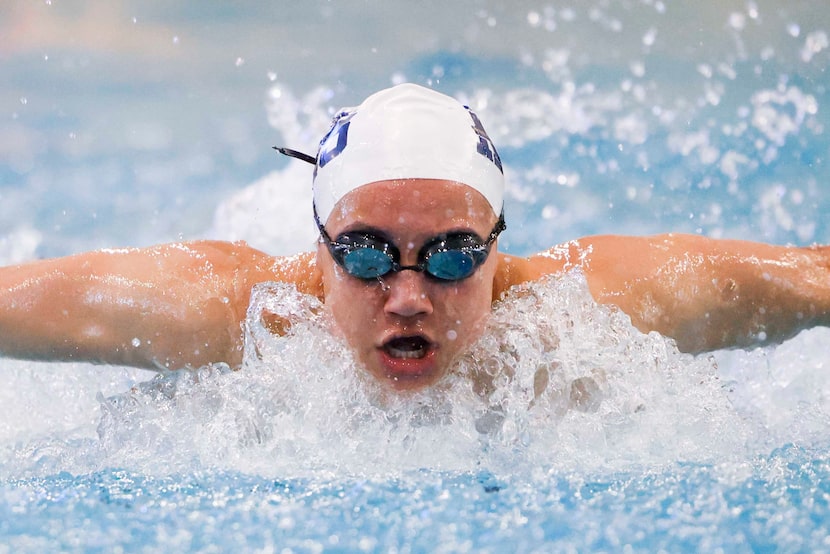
point(405, 132)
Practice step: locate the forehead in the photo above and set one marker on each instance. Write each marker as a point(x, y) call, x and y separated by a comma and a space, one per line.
point(431, 202)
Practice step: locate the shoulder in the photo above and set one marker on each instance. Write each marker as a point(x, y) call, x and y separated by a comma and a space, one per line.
point(597, 257)
point(515, 270)
point(247, 266)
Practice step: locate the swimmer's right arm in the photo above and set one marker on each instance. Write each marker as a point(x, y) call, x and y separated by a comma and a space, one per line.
point(163, 307)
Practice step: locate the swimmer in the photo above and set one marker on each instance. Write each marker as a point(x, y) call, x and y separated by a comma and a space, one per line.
point(408, 198)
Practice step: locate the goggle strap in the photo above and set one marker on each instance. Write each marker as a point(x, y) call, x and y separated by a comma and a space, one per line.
point(501, 225)
point(296, 154)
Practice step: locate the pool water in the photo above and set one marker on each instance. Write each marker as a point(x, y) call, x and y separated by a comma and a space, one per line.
point(137, 124)
point(775, 506)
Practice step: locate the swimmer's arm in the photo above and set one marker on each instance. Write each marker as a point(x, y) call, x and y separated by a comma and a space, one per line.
point(705, 293)
point(168, 306)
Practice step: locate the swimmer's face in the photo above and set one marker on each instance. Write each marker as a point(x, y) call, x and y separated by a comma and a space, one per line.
point(405, 327)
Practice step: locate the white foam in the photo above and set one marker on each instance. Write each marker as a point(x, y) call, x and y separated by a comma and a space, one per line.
point(574, 386)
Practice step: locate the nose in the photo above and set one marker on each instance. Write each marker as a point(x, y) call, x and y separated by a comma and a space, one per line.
point(407, 294)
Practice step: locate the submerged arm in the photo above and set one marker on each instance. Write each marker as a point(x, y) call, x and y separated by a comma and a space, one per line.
point(705, 293)
point(168, 306)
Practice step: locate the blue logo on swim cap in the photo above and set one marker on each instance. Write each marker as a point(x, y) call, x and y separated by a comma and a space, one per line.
point(485, 146)
point(335, 140)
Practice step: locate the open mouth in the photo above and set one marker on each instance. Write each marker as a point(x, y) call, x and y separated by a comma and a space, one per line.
point(407, 348)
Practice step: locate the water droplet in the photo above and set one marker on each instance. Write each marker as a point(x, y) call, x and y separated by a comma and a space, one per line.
point(533, 19)
point(794, 29)
point(638, 68)
point(549, 212)
point(136, 342)
point(737, 21)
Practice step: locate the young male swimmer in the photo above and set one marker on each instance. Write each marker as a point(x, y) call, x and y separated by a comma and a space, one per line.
point(408, 194)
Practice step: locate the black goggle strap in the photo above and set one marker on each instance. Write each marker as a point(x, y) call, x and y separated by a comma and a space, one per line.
point(501, 225)
point(296, 154)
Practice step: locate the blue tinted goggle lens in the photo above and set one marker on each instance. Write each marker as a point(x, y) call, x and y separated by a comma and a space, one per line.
point(366, 262)
point(452, 265)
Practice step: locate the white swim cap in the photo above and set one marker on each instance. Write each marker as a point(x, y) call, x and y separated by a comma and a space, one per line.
point(405, 132)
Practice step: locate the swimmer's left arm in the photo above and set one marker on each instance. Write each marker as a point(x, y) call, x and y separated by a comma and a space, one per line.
point(705, 293)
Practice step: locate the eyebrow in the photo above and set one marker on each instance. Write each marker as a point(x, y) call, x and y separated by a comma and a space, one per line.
point(366, 230)
point(379, 233)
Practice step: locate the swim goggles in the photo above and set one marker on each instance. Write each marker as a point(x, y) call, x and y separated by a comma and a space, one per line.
point(447, 257)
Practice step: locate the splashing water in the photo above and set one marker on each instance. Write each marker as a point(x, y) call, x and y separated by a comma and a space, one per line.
point(555, 381)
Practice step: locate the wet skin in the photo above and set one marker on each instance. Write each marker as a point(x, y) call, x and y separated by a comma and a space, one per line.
point(406, 329)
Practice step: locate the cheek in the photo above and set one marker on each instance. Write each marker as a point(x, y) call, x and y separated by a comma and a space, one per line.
point(466, 307)
point(335, 297)
point(351, 303)
point(337, 285)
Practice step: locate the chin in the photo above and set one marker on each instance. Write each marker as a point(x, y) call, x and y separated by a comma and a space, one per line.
point(412, 384)
point(407, 374)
